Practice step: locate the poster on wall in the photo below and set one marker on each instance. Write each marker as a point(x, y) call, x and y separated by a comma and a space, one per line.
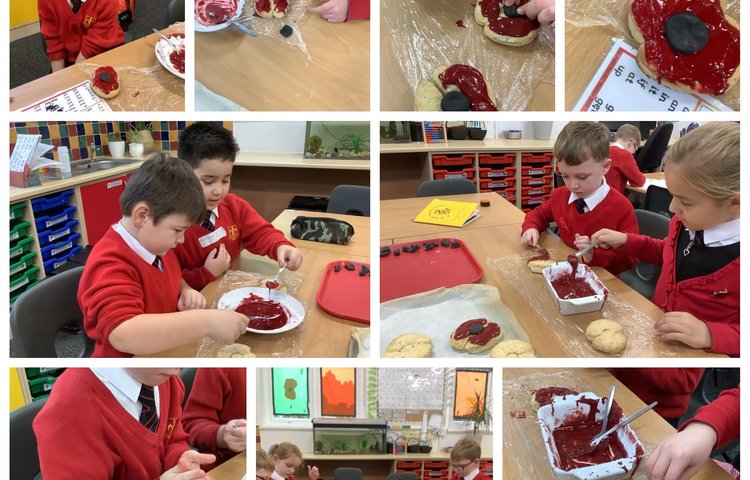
point(290, 391)
point(471, 393)
point(338, 397)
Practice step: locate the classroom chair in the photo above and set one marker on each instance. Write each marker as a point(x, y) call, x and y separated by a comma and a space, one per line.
point(350, 200)
point(403, 476)
point(652, 153)
point(41, 312)
point(187, 375)
point(175, 12)
point(658, 200)
point(643, 277)
point(446, 186)
point(24, 463)
point(347, 473)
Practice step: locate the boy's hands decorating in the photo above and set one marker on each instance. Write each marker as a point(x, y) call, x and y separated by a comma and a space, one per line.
point(683, 454)
point(190, 299)
point(335, 11)
point(581, 242)
point(606, 238)
point(226, 326)
point(188, 467)
point(233, 435)
point(530, 237)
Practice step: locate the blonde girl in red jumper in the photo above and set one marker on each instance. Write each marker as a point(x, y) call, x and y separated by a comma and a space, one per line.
point(699, 286)
point(287, 458)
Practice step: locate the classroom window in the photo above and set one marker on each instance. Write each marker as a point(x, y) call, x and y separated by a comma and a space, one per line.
point(337, 392)
point(470, 393)
point(290, 392)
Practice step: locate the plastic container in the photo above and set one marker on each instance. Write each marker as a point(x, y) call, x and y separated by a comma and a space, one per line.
point(56, 249)
point(64, 158)
point(49, 236)
point(495, 184)
point(572, 306)
point(45, 222)
point(453, 160)
point(55, 263)
point(536, 181)
point(41, 385)
point(536, 191)
point(24, 279)
point(531, 158)
point(20, 248)
point(531, 171)
point(508, 172)
point(465, 173)
point(18, 231)
point(496, 159)
point(16, 211)
point(36, 372)
point(42, 204)
point(25, 262)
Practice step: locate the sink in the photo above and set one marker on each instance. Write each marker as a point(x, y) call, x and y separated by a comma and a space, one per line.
point(99, 165)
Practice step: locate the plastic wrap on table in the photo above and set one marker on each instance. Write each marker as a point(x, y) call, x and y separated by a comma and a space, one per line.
point(521, 433)
point(613, 14)
point(288, 344)
point(570, 329)
point(424, 35)
point(272, 26)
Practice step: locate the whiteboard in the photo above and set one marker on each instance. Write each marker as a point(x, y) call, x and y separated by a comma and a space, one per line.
point(410, 388)
point(285, 137)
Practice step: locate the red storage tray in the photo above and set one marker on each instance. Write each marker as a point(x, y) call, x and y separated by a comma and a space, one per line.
point(536, 191)
point(528, 171)
point(421, 271)
point(409, 465)
point(536, 158)
point(466, 173)
point(453, 160)
point(508, 172)
point(345, 294)
point(534, 201)
point(438, 465)
point(496, 159)
point(535, 181)
point(496, 183)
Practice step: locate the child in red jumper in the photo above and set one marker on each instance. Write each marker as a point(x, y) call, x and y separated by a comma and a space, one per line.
point(132, 295)
point(287, 459)
point(586, 203)
point(233, 224)
point(624, 168)
point(215, 414)
point(465, 456)
point(76, 30)
point(684, 453)
point(699, 286)
point(93, 426)
point(337, 11)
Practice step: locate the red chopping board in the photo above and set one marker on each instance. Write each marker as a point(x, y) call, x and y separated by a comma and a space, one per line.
point(345, 293)
point(424, 270)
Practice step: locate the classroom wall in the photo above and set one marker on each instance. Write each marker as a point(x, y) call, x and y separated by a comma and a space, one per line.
point(23, 12)
point(286, 137)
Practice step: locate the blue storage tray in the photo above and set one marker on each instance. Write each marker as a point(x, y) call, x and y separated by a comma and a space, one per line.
point(49, 236)
point(56, 249)
point(46, 222)
point(45, 203)
point(55, 263)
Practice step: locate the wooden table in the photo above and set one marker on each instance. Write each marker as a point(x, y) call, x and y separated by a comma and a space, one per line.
point(651, 428)
point(262, 73)
point(359, 245)
point(233, 469)
point(651, 176)
point(165, 91)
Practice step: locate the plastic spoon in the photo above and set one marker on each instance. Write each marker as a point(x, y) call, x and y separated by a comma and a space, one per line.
point(578, 452)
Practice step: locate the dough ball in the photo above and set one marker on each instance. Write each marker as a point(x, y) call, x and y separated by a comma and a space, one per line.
point(512, 349)
point(236, 350)
point(427, 97)
point(537, 266)
point(409, 345)
point(606, 336)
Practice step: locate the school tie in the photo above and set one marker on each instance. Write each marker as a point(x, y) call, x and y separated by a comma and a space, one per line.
point(157, 262)
point(148, 418)
point(698, 238)
point(76, 4)
point(207, 223)
point(580, 205)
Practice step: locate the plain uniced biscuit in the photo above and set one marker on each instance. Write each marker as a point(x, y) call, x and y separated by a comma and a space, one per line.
point(409, 345)
point(512, 349)
point(427, 98)
point(537, 266)
point(606, 336)
point(236, 350)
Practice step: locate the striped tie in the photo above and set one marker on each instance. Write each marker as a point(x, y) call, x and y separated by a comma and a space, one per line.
point(207, 223)
point(149, 417)
point(76, 5)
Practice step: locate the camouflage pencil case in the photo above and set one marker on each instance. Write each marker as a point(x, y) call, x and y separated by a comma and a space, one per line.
point(322, 229)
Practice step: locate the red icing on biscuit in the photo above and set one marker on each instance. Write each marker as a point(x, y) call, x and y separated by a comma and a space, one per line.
point(706, 71)
point(513, 27)
point(265, 6)
point(543, 255)
point(106, 85)
point(489, 331)
point(471, 83)
point(490, 8)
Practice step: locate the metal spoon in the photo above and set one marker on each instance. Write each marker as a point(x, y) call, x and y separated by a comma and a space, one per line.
point(578, 452)
point(169, 40)
point(214, 15)
point(610, 399)
point(272, 284)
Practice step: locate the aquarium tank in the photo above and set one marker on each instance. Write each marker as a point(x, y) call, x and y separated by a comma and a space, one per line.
point(338, 140)
point(395, 132)
point(342, 436)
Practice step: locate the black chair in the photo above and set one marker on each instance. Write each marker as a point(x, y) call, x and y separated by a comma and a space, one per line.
point(657, 200)
point(350, 199)
point(403, 476)
point(175, 12)
point(643, 277)
point(24, 463)
point(347, 473)
point(187, 375)
point(41, 312)
point(446, 186)
point(652, 153)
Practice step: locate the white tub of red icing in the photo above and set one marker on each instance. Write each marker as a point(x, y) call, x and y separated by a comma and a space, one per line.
point(581, 294)
point(569, 420)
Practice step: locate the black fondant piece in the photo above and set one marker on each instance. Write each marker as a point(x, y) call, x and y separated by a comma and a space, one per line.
point(475, 329)
point(455, 102)
point(512, 11)
point(686, 33)
point(286, 30)
point(104, 77)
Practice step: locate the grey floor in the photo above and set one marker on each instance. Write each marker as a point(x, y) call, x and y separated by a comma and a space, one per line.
point(28, 61)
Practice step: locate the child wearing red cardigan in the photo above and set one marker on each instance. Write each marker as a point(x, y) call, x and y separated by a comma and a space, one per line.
point(586, 203)
point(79, 31)
point(699, 285)
point(228, 222)
point(91, 427)
point(215, 412)
point(624, 168)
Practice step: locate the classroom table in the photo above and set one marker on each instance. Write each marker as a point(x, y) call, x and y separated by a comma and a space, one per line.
point(649, 176)
point(359, 244)
point(263, 73)
point(233, 469)
point(166, 91)
point(651, 428)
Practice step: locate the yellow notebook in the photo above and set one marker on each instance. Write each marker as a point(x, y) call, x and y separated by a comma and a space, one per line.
point(450, 213)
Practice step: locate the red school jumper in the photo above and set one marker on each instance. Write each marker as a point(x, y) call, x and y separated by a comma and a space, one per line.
point(723, 415)
point(714, 298)
point(84, 432)
point(624, 169)
point(358, 10)
point(480, 476)
point(614, 212)
point(91, 31)
point(671, 387)
point(217, 396)
point(244, 226)
point(117, 285)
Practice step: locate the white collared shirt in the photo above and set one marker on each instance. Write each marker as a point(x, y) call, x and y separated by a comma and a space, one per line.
point(722, 234)
point(277, 476)
point(124, 388)
point(134, 244)
point(471, 475)
point(594, 199)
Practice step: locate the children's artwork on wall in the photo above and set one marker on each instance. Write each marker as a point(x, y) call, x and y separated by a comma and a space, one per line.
point(337, 393)
point(471, 391)
point(290, 392)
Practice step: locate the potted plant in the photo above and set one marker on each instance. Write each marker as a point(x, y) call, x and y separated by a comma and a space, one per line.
point(135, 147)
point(116, 144)
point(144, 130)
point(479, 415)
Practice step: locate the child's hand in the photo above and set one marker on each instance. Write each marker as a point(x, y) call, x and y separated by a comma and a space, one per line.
point(335, 11)
point(312, 472)
point(188, 466)
point(682, 454)
point(542, 10)
point(226, 326)
point(191, 299)
point(217, 261)
point(606, 238)
point(233, 435)
point(581, 242)
point(684, 327)
point(289, 254)
point(530, 237)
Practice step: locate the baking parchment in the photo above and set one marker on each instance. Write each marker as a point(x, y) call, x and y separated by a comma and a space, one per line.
point(438, 312)
point(523, 435)
point(424, 35)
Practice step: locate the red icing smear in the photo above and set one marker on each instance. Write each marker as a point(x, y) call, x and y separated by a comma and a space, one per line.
point(573, 261)
point(263, 314)
point(177, 59)
point(106, 87)
point(543, 255)
point(706, 71)
point(569, 286)
point(513, 27)
point(265, 6)
point(460, 23)
point(490, 8)
point(272, 285)
point(490, 331)
point(471, 83)
point(544, 396)
point(214, 12)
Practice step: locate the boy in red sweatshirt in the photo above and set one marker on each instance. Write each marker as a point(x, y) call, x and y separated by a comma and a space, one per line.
point(132, 295)
point(228, 222)
point(586, 203)
point(624, 168)
point(78, 29)
point(465, 456)
point(214, 415)
point(337, 11)
point(100, 424)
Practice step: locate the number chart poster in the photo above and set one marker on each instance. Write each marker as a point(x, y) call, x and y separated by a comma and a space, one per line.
point(290, 392)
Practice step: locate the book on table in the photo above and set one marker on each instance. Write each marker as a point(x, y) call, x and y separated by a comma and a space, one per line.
point(449, 213)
